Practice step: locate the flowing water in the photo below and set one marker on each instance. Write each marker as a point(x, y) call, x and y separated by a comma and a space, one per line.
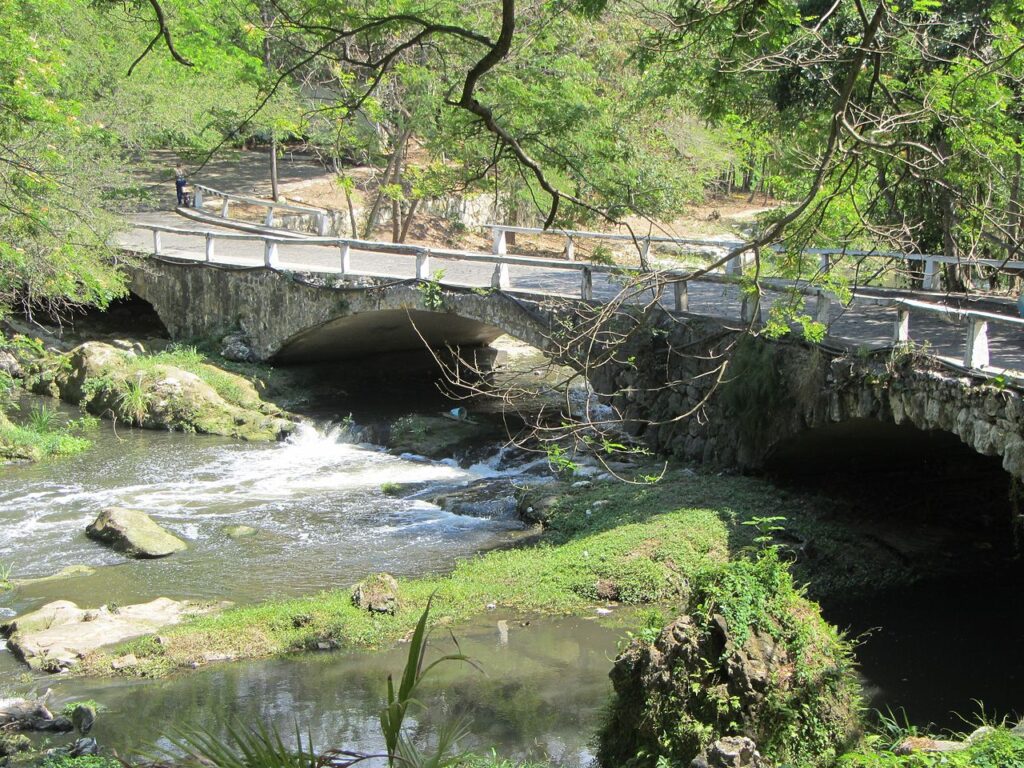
point(315, 499)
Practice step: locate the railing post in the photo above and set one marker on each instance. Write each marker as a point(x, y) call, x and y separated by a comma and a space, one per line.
point(824, 264)
point(269, 221)
point(224, 208)
point(270, 254)
point(976, 349)
point(156, 242)
point(734, 266)
point(901, 332)
point(587, 284)
point(498, 246)
point(645, 251)
point(423, 264)
point(321, 224)
point(500, 278)
point(930, 275)
point(682, 296)
point(823, 308)
point(209, 246)
point(197, 197)
point(750, 310)
point(346, 258)
point(570, 249)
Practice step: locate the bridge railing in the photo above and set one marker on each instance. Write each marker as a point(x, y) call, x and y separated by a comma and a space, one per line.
point(975, 354)
point(202, 192)
point(501, 276)
point(927, 263)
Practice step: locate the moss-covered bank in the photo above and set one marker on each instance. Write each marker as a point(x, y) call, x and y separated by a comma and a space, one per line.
point(176, 389)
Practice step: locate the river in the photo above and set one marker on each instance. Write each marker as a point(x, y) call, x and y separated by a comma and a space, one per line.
point(323, 521)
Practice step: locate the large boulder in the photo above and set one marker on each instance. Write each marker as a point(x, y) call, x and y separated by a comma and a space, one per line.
point(117, 383)
point(754, 660)
point(377, 594)
point(58, 635)
point(133, 533)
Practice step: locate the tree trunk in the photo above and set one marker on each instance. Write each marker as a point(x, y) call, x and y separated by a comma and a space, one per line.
point(407, 222)
point(396, 220)
point(274, 193)
point(353, 229)
point(389, 171)
point(1015, 225)
point(268, 22)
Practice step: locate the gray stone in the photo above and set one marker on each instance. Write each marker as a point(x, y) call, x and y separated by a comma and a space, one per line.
point(239, 531)
point(730, 752)
point(56, 636)
point(9, 364)
point(924, 744)
point(84, 747)
point(377, 594)
point(236, 347)
point(134, 533)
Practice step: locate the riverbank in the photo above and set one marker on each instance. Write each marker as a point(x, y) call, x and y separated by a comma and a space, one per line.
point(597, 545)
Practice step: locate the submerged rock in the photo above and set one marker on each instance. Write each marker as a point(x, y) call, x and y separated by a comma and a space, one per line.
point(494, 499)
point(68, 572)
point(239, 531)
point(58, 635)
point(377, 594)
point(133, 533)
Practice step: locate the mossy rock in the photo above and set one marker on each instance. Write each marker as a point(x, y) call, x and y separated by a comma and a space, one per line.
point(110, 382)
point(377, 594)
point(134, 533)
point(437, 437)
point(752, 658)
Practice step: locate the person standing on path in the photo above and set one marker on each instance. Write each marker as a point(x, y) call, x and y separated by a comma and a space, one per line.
point(180, 180)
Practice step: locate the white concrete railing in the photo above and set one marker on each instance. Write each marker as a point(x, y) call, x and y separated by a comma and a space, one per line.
point(929, 261)
point(201, 192)
point(501, 278)
point(976, 347)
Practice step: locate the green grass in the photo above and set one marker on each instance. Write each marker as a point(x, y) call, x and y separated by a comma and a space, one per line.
point(999, 749)
point(235, 388)
point(32, 442)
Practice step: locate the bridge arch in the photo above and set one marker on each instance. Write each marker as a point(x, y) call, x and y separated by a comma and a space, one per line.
point(291, 318)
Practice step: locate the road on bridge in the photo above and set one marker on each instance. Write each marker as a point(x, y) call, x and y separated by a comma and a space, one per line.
point(866, 323)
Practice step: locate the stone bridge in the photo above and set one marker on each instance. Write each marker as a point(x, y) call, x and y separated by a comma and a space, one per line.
point(687, 385)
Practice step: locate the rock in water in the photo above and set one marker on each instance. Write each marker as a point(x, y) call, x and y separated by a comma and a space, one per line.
point(239, 531)
point(82, 717)
point(134, 533)
point(377, 594)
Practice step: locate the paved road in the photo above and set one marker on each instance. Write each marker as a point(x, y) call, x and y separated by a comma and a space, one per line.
point(863, 324)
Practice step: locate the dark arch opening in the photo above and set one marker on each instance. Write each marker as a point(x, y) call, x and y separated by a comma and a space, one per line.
point(130, 315)
point(950, 637)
